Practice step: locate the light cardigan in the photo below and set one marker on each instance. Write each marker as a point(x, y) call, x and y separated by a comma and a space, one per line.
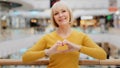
point(64, 60)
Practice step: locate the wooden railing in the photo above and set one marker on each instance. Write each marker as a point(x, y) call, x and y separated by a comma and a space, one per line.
point(46, 62)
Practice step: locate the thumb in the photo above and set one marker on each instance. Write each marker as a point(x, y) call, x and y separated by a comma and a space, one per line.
point(66, 42)
point(58, 43)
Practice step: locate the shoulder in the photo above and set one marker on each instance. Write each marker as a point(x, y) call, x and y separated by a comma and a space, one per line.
point(79, 33)
point(48, 35)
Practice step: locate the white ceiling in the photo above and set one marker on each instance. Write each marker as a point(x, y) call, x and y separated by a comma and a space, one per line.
point(81, 7)
point(83, 4)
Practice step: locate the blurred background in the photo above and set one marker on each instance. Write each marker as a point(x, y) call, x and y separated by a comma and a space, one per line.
point(23, 22)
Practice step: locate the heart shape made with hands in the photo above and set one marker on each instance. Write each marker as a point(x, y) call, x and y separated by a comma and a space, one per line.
point(62, 47)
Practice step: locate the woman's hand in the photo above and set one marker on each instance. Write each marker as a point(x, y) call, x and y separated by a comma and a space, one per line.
point(71, 46)
point(53, 49)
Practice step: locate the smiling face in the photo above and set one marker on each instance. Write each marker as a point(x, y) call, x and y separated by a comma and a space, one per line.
point(61, 14)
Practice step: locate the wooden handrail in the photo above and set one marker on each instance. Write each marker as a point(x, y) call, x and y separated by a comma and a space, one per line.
point(46, 62)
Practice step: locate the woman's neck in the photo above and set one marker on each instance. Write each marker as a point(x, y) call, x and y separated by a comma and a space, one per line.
point(64, 30)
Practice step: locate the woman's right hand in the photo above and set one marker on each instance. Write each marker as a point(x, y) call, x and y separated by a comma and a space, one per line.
point(53, 49)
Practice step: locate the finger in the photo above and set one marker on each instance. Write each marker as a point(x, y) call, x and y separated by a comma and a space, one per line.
point(65, 42)
point(58, 51)
point(58, 43)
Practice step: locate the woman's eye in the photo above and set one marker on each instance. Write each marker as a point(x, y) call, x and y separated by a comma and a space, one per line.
point(56, 14)
point(63, 11)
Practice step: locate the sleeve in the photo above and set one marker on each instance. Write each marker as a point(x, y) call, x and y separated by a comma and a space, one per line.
point(35, 52)
point(92, 49)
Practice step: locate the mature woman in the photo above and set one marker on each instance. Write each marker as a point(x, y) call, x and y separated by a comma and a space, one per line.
point(63, 45)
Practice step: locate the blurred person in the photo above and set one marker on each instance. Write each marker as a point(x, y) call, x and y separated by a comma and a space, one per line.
point(107, 26)
point(34, 24)
point(84, 28)
point(4, 30)
point(106, 47)
point(64, 45)
point(4, 25)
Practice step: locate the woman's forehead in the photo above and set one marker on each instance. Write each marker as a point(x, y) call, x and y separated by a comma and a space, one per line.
point(57, 8)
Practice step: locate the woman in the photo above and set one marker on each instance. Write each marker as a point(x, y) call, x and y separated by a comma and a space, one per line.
point(63, 45)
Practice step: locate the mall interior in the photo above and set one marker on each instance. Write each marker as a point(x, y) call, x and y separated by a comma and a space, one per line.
point(23, 22)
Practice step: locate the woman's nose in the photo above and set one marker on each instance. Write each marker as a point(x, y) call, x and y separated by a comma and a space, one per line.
point(60, 14)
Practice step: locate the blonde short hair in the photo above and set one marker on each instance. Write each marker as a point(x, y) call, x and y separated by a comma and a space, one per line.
point(59, 4)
